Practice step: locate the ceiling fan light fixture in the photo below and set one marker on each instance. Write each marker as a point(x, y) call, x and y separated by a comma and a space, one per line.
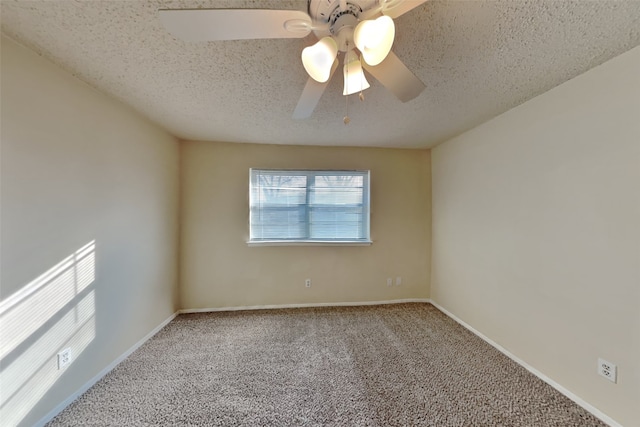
point(318, 58)
point(374, 39)
point(354, 78)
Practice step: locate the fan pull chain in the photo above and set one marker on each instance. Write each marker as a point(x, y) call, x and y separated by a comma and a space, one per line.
point(346, 118)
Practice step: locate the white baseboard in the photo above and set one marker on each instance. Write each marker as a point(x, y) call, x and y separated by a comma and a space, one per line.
point(314, 304)
point(55, 411)
point(592, 409)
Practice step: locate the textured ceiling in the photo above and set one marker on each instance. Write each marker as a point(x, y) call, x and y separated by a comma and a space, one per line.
point(477, 59)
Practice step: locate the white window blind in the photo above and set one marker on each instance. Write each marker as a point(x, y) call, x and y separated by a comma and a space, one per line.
point(309, 206)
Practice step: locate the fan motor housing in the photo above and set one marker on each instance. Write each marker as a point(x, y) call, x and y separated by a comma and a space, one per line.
point(342, 20)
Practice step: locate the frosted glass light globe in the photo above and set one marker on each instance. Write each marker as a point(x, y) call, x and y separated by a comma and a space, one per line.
point(318, 59)
point(374, 39)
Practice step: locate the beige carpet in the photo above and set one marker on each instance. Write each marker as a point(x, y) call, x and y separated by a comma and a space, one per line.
point(395, 365)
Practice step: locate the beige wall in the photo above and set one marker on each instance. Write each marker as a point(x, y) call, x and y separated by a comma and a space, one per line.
point(218, 269)
point(77, 167)
point(536, 232)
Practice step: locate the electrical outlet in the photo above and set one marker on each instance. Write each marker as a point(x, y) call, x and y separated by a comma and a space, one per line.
point(608, 370)
point(307, 283)
point(389, 281)
point(398, 281)
point(64, 358)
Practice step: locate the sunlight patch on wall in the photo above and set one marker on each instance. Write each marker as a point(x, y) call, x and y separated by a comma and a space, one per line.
point(29, 308)
point(53, 312)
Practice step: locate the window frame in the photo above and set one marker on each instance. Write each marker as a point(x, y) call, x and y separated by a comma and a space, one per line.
point(366, 207)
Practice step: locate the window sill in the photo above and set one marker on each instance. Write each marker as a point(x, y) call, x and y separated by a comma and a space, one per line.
point(308, 243)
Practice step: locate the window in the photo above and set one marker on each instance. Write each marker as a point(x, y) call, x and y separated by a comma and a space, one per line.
point(305, 206)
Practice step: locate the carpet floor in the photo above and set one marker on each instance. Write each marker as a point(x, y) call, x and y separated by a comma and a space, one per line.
point(392, 365)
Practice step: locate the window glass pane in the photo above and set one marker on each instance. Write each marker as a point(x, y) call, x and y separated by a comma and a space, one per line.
point(280, 190)
point(279, 223)
point(331, 223)
point(332, 190)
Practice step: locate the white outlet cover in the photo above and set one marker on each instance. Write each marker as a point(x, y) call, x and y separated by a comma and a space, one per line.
point(389, 281)
point(398, 281)
point(64, 358)
point(608, 370)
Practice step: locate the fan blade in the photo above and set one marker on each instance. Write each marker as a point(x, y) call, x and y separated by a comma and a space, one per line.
point(235, 24)
point(311, 94)
point(401, 8)
point(396, 77)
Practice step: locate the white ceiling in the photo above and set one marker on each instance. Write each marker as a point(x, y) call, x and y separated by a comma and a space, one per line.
point(477, 59)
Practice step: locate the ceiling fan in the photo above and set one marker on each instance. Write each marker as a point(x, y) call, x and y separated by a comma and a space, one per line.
point(363, 30)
